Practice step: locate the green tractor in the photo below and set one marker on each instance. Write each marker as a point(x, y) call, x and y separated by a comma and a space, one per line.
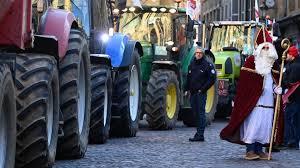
point(167, 37)
point(231, 43)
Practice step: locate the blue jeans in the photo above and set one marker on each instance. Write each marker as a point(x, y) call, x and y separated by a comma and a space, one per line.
point(292, 123)
point(198, 102)
point(255, 147)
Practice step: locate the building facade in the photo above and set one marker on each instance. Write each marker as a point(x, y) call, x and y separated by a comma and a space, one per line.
point(227, 10)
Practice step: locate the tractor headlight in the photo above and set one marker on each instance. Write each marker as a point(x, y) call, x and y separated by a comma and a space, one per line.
point(175, 49)
point(170, 43)
point(172, 11)
point(104, 38)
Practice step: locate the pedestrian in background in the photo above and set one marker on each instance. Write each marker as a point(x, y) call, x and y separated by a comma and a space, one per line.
point(251, 120)
point(292, 111)
point(201, 76)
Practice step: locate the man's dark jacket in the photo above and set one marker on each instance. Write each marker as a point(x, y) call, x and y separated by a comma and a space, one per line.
point(201, 76)
point(292, 75)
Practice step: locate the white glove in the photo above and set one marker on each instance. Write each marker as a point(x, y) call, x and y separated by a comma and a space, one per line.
point(278, 90)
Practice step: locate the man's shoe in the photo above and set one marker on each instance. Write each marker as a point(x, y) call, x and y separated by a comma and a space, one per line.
point(251, 156)
point(195, 139)
point(263, 156)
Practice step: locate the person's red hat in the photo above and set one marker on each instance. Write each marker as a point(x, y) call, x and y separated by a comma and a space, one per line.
point(293, 51)
point(261, 38)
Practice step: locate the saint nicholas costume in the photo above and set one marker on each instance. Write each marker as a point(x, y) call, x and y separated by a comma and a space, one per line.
point(252, 116)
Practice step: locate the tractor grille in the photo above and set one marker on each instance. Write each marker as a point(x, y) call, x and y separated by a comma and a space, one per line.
point(218, 66)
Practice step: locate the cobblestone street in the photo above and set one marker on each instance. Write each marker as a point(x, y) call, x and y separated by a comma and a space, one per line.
point(162, 149)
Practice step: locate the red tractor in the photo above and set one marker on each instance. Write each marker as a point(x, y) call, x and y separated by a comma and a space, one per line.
point(45, 69)
point(52, 54)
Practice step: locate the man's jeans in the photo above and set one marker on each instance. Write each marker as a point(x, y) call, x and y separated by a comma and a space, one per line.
point(255, 147)
point(198, 102)
point(292, 123)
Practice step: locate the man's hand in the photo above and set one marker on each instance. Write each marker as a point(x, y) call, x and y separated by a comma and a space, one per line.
point(278, 90)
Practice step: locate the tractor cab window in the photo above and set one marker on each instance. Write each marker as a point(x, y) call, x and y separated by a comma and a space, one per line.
point(154, 28)
point(234, 37)
point(80, 8)
point(180, 27)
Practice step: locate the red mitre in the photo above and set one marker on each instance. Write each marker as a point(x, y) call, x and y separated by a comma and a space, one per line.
point(263, 36)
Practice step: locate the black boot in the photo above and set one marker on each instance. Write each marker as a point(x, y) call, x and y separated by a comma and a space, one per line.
point(197, 137)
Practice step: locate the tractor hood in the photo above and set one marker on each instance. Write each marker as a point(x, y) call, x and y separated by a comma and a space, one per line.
point(227, 63)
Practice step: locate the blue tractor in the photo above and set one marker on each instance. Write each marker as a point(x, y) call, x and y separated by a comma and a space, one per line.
point(115, 71)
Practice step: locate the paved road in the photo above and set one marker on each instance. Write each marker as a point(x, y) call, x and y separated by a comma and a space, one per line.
point(161, 149)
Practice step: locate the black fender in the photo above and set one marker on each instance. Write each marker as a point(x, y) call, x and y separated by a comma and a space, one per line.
point(41, 45)
point(100, 59)
point(129, 49)
point(210, 55)
point(169, 65)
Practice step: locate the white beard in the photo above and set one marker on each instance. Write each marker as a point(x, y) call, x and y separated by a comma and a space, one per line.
point(264, 59)
point(263, 65)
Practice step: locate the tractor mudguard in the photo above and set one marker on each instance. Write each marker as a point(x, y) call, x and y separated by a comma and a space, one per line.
point(58, 23)
point(100, 59)
point(171, 65)
point(165, 65)
point(120, 50)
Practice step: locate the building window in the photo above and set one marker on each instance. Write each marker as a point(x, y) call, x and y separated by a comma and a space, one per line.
point(291, 5)
point(226, 12)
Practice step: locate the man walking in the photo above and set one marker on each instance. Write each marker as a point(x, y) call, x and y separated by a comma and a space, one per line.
point(292, 112)
point(201, 76)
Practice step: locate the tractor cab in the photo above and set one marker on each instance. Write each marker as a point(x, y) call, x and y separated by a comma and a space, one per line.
point(161, 30)
point(164, 32)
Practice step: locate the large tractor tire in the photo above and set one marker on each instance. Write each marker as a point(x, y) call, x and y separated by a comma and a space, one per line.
point(37, 90)
point(127, 95)
point(101, 104)
point(7, 118)
point(75, 98)
point(162, 100)
point(189, 118)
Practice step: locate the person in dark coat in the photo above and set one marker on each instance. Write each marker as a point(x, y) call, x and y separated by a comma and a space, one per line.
point(201, 76)
point(291, 81)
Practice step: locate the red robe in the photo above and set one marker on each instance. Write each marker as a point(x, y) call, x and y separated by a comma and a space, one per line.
point(249, 89)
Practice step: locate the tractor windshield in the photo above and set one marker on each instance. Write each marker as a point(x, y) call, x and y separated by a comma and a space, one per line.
point(233, 36)
point(155, 28)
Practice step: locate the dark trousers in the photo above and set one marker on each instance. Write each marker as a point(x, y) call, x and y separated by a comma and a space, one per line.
point(255, 147)
point(292, 123)
point(198, 102)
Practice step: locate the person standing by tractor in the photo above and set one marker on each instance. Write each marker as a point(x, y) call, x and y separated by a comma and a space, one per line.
point(252, 116)
point(201, 76)
point(291, 81)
